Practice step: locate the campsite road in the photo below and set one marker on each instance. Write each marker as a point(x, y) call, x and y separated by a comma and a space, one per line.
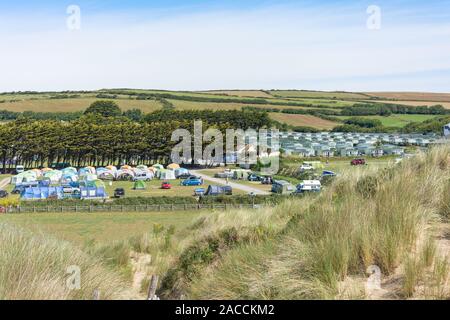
point(234, 185)
point(4, 183)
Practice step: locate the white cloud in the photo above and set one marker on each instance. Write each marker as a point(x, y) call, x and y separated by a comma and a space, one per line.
point(270, 48)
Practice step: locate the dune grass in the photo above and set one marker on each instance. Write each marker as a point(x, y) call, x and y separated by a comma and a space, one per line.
point(37, 267)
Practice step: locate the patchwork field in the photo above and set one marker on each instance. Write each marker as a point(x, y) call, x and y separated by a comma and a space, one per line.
point(303, 120)
point(229, 100)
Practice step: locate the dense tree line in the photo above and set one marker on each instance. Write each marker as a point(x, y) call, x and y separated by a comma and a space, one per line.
point(6, 115)
point(315, 112)
point(232, 118)
point(387, 109)
point(434, 125)
point(99, 138)
point(89, 140)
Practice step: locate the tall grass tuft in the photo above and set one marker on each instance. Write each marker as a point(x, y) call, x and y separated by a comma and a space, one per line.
point(34, 267)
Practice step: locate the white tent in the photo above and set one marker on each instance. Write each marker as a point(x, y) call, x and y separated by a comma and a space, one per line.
point(167, 175)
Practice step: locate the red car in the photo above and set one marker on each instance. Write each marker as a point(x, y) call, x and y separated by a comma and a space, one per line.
point(166, 185)
point(358, 162)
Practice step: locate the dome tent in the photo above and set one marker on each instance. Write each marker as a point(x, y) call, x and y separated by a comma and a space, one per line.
point(166, 174)
point(139, 185)
point(158, 166)
point(173, 166)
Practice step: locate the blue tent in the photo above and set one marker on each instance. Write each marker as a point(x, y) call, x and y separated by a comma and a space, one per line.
point(93, 193)
point(36, 193)
point(219, 190)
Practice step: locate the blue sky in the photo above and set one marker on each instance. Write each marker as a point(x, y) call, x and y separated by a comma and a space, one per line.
point(198, 45)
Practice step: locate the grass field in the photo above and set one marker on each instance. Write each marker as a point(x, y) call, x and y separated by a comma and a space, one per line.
point(304, 120)
point(80, 228)
point(398, 120)
point(341, 166)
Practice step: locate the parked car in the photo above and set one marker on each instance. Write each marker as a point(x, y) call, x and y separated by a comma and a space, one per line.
point(184, 176)
point(119, 193)
point(199, 192)
point(18, 189)
point(225, 174)
point(166, 185)
point(266, 180)
point(358, 162)
point(3, 193)
point(254, 177)
point(306, 167)
point(192, 181)
point(143, 177)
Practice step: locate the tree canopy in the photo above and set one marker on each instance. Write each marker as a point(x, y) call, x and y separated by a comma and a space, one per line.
point(105, 108)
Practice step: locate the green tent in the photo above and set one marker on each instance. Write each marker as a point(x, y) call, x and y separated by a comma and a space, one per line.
point(139, 185)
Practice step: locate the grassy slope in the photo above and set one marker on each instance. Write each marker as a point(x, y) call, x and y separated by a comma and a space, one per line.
point(320, 248)
point(34, 266)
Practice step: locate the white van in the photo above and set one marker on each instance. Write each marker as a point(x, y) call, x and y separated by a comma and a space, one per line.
point(20, 169)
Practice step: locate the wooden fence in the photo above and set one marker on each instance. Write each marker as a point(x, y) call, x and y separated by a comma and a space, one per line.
point(130, 208)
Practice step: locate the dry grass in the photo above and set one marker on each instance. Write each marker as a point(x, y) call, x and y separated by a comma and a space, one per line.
point(34, 267)
point(302, 120)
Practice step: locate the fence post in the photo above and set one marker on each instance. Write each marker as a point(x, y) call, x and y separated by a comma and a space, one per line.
point(172, 207)
point(76, 208)
point(34, 209)
point(159, 208)
point(96, 295)
point(152, 288)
